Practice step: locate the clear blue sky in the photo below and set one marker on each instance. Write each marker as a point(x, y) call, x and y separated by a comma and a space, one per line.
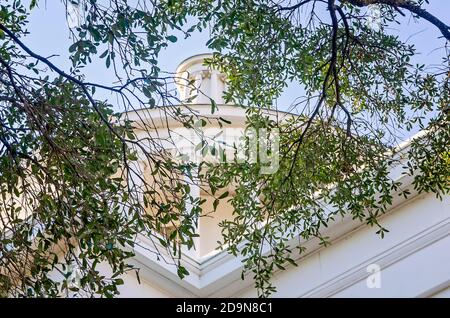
point(50, 35)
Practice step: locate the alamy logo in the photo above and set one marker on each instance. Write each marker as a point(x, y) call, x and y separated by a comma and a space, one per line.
point(73, 14)
point(73, 276)
point(374, 279)
point(220, 145)
point(260, 146)
point(374, 20)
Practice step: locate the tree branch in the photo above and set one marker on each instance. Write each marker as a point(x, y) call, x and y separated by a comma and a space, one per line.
point(410, 6)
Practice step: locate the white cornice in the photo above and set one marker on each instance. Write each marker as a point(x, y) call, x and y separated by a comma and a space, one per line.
point(219, 273)
point(384, 260)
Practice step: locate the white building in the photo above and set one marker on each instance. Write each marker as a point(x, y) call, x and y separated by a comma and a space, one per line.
point(411, 261)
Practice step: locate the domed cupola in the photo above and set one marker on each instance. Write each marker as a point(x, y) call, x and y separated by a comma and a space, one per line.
point(197, 82)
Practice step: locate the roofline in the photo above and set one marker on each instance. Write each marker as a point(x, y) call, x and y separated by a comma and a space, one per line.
point(202, 104)
point(193, 57)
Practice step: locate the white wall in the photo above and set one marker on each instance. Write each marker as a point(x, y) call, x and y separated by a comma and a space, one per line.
point(133, 289)
point(445, 293)
point(414, 258)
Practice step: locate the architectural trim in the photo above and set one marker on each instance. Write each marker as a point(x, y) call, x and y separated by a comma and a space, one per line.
point(219, 273)
point(384, 260)
point(436, 290)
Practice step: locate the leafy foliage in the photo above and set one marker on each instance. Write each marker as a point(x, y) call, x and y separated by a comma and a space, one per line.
point(75, 192)
point(360, 91)
point(73, 196)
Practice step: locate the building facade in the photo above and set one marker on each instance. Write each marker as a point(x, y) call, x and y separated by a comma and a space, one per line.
point(412, 260)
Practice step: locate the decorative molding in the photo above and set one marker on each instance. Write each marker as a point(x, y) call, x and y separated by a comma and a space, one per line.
point(219, 273)
point(206, 74)
point(435, 290)
point(384, 260)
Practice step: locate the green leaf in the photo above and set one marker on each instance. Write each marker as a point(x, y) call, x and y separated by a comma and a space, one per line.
point(172, 38)
point(224, 195)
point(213, 106)
point(215, 204)
point(104, 54)
point(224, 120)
point(182, 272)
point(147, 90)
